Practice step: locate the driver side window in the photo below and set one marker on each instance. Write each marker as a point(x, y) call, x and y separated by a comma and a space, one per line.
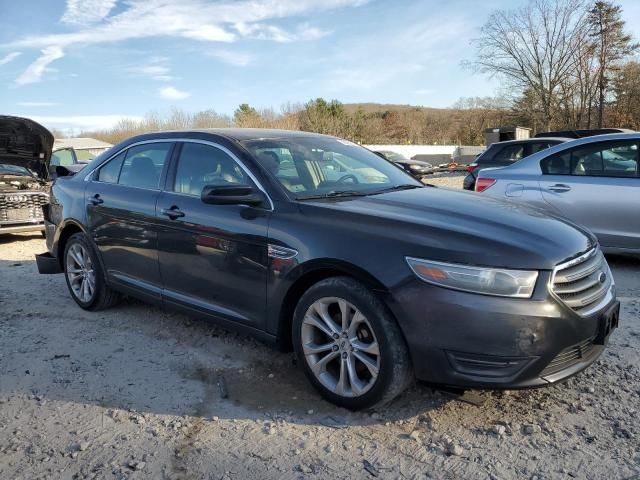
point(201, 165)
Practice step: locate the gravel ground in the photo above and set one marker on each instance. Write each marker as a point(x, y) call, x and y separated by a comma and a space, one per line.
point(445, 179)
point(133, 392)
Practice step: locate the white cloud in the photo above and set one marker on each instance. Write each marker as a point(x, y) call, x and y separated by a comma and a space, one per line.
point(202, 20)
point(86, 12)
point(37, 104)
point(221, 21)
point(172, 93)
point(9, 57)
point(34, 72)
point(238, 59)
point(209, 33)
point(155, 69)
point(308, 32)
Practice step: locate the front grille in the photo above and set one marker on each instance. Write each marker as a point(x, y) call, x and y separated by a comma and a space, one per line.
point(569, 357)
point(584, 282)
point(18, 206)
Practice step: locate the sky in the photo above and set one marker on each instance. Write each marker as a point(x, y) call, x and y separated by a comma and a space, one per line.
point(84, 64)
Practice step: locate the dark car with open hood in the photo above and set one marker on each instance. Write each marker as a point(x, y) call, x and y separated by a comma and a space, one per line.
point(318, 245)
point(25, 151)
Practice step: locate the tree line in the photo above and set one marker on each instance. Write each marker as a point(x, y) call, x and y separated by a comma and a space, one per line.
point(567, 64)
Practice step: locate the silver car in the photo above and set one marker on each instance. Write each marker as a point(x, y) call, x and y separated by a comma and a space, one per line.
point(593, 181)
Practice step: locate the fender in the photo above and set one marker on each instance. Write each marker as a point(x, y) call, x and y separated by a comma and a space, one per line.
point(283, 293)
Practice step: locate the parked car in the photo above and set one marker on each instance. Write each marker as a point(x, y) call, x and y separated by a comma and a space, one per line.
point(593, 181)
point(25, 151)
point(502, 154)
point(416, 168)
point(372, 283)
point(69, 156)
point(573, 134)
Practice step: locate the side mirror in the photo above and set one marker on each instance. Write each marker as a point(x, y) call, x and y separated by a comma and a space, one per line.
point(233, 194)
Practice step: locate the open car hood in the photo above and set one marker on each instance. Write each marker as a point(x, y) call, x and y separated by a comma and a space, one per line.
point(25, 143)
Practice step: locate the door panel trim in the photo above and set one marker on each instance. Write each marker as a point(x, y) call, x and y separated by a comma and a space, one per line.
point(146, 288)
point(200, 305)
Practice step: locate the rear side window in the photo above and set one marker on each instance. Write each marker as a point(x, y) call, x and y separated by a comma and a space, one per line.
point(143, 165)
point(110, 172)
point(557, 164)
point(537, 147)
point(605, 159)
point(509, 153)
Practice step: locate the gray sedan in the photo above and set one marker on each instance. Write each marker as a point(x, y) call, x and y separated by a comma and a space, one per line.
point(593, 181)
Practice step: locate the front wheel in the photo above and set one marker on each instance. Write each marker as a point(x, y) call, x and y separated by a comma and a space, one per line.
point(84, 275)
point(351, 347)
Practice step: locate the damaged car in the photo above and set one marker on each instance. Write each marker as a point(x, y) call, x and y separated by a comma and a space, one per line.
point(25, 152)
point(373, 280)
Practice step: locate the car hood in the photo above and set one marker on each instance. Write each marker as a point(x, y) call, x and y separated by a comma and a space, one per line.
point(25, 143)
point(463, 227)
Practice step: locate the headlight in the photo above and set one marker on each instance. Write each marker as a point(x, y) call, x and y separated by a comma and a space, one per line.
point(484, 280)
point(416, 167)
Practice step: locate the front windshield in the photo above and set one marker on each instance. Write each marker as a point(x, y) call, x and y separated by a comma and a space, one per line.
point(8, 169)
point(310, 167)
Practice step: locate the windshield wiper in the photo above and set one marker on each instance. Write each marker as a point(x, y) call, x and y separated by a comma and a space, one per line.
point(394, 188)
point(336, 193)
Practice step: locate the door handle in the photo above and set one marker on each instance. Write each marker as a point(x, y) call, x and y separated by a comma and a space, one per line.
point(173, 212)
point(96, 200)
point(559, 187)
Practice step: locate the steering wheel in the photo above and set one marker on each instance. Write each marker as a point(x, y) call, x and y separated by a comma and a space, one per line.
point(346, 178)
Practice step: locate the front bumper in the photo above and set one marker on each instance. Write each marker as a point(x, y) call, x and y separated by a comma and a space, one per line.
point(466, 340)
point(37, 226)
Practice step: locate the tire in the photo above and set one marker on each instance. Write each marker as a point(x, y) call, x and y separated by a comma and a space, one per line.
point(98, 294)
point(368, 379)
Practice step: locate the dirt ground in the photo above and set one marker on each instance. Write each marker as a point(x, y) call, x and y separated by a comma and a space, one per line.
point(133, 392)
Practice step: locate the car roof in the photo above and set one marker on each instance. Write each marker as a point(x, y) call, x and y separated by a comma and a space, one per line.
point(533, 140)
point(526, 163)
point(243, 134)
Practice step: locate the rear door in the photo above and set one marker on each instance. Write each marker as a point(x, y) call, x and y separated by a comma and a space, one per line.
point(121, 215)
point(213, 258)
point(597, 185)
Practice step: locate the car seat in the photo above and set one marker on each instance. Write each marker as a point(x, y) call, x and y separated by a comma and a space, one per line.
point(142, 173)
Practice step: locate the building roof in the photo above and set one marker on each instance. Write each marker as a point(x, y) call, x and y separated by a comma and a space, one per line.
point(80, 143)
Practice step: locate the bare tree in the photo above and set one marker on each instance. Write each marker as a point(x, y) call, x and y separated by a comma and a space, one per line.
point(533, 48)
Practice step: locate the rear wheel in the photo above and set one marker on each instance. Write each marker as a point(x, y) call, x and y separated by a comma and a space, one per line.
point(84, 275)
point(352, 349)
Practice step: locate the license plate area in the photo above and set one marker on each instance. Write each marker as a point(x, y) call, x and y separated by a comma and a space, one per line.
point(607, 323)
point(18, 214)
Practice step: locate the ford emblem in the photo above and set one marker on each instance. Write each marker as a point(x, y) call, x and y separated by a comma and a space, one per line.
point(602, 277)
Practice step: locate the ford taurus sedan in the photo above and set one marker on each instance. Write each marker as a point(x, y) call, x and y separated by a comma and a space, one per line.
point(313, 243)
point(593, 181)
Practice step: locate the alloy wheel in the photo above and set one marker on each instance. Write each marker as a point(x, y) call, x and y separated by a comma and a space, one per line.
point(80, 272)
point(340, 347)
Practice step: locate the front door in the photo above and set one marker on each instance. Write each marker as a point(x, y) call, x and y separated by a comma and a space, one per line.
point(121, 205)
point(597, 185)
point(213, 258)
